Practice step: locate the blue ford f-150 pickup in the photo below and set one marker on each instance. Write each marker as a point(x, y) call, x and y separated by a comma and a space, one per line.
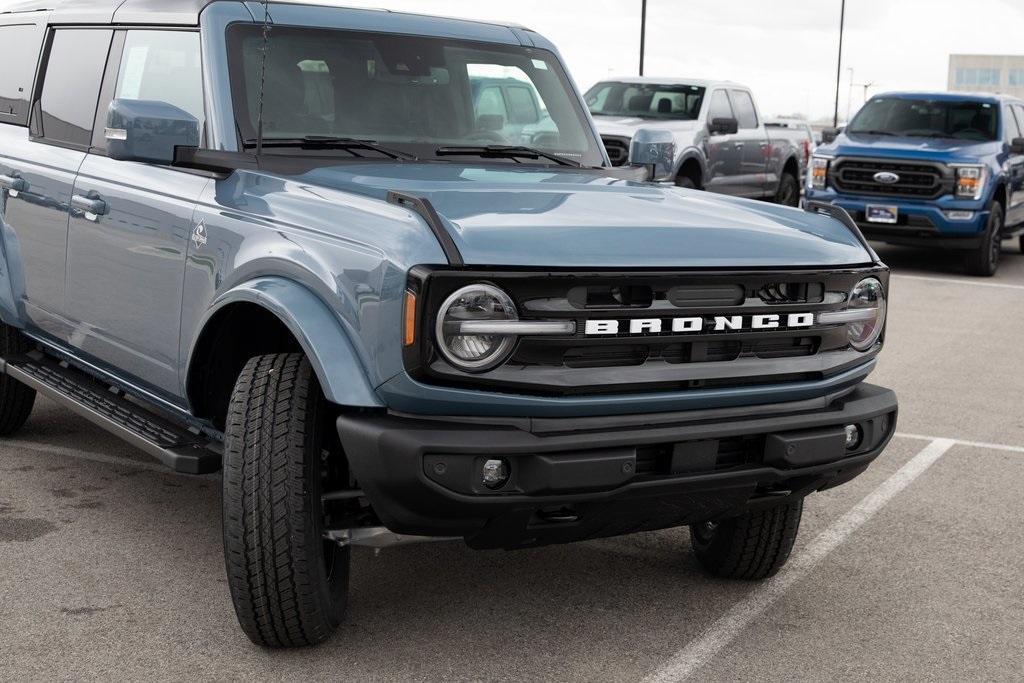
point(301, 245)
point(930, 169)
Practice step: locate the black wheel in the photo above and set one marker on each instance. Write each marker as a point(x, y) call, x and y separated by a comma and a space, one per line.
point(752, 546)
point(1021, 240)
point(788, 193)
point(686, 182)
point(16, 399)
point(289, 585)
point(984, 260)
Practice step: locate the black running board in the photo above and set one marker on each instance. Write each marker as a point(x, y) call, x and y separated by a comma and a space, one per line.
point(175, 445)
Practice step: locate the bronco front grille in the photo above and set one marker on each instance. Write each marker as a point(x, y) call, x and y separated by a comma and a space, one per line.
point(618, 149)
point(915, 180)
point(623, 362)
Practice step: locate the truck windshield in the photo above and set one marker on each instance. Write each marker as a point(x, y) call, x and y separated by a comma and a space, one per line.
point(645, 100)
point(325, 91)
point(961, 120)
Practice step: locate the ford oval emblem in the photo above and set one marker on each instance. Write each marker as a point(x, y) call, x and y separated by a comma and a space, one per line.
point(886, 177)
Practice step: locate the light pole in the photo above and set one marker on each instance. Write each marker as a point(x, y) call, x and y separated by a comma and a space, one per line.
point(643, 32)
point(839, 64)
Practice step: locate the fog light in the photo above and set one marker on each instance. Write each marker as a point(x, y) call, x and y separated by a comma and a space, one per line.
point(495, 473)
point(853, 437)
point(960, 215)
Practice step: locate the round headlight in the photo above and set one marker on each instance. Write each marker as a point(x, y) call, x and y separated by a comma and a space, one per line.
point(475, 303)
point(867, 296)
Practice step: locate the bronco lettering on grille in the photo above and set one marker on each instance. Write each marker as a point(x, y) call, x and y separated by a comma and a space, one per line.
point(715, 323)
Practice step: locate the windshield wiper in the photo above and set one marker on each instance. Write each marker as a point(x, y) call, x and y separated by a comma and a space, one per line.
point(328, 142)
point(871, 132)
point(506, 152)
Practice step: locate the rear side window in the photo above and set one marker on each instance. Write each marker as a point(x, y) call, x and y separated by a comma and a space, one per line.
point(19, 53)
point(71, 85)
point(745, 112)
point(719, 107)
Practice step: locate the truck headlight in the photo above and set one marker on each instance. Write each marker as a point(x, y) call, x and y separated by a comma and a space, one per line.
point(864, 315)
point(970, 181)
point(819, 173)
point(479, 303)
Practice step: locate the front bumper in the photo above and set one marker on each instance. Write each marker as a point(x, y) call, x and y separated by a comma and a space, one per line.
point(579, 478)
point(920, 222)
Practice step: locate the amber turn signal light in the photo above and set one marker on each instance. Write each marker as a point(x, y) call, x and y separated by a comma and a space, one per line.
point(409, 337)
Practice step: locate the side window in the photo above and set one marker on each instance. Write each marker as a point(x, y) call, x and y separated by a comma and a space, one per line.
point(71, 85)
point(521, 105)
point(19, 52)
point(164, 66)
point(1010, 128)
point(745, 112)
point(491, 103)
point(719, 108)
point(1018, 109)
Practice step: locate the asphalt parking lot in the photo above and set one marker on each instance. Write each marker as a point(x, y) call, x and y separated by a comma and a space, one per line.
point(111, 567)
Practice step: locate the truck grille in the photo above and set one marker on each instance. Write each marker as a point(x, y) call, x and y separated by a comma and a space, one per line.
point(618, 149)
point(916, 180)
point(580, 364)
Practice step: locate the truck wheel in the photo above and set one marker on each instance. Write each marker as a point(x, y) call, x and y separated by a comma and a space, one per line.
point(751, 546)
point(1022, 244)
point(984, 260)
point(16, 399)
point(289, 585)
point(789, 191)
point(685, 182)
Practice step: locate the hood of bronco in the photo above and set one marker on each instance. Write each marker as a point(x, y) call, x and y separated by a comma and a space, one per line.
point(507, 215)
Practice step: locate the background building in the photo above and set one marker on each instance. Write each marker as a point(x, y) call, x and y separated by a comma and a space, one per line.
point(987, 73)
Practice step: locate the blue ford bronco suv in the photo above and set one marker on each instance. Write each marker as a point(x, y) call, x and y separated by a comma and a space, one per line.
point(281, 241)
point(930, 169)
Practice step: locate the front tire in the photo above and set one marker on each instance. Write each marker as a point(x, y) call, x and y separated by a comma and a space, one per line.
point(16, 399)
point(289, 585)
point(788, 193)
point(752, 546)
point(984, 261)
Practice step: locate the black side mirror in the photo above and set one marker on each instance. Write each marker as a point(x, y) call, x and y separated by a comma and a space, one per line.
point(723, 126)
point(829, 135)
point(148, 131)
point(1017, 146)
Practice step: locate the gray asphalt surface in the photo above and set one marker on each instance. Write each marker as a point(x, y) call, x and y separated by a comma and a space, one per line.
point(111, 568)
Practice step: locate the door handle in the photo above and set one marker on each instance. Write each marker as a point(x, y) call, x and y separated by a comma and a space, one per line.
point(13, 183)
point(91, 204)
point(739, 145)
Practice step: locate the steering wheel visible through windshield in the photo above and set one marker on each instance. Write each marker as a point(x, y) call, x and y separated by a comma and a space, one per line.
point(410, 95)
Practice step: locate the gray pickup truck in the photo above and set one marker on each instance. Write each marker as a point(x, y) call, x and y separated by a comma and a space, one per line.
point(722, 144)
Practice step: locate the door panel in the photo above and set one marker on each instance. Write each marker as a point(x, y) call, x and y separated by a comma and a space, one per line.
point(753, 143)
point(723, 154)
point(35, 224)
point(1015, 163)
point(126, 266)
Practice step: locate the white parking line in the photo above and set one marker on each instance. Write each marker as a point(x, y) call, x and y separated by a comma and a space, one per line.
point(687, 661)
point(957, 281)
point(961, 442)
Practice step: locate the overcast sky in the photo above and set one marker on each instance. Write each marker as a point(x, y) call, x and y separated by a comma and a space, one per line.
point(784, 49)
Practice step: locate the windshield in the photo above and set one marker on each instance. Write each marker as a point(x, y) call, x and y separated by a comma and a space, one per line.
point(646, 100)
point(961, 120)
point(407, 94)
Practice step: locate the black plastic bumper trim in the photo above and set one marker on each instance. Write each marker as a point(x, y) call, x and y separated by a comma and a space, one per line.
point(388, 455)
